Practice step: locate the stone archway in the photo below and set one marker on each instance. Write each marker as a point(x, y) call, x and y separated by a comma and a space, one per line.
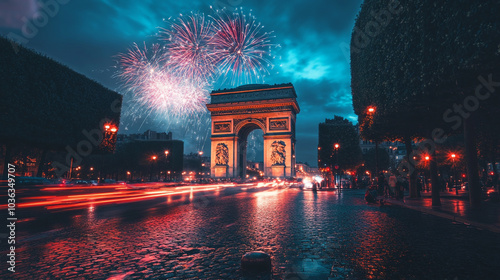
point(242, 133)
point(237, 112)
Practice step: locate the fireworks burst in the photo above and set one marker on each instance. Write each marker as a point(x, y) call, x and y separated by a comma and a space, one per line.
point(188, 41)
point(171, 80)
point(156, 88)
point(242, 48)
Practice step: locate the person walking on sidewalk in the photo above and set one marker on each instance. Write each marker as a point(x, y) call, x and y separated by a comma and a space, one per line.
point(392, 185)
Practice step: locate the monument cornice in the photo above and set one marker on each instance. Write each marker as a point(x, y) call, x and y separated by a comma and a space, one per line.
point(254, 105)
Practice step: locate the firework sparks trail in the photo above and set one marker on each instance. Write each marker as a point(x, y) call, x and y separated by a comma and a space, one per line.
point(188, 42)
point(156, 88)
point(242, 48)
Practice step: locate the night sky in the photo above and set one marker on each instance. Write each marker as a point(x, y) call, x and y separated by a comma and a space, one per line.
point(86, 35)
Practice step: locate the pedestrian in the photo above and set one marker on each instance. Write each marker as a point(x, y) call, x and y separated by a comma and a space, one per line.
point(392, 184)
point(381, 184)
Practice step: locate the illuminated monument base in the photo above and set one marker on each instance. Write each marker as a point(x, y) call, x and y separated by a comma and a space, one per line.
point(237, 112)
point(220, 172)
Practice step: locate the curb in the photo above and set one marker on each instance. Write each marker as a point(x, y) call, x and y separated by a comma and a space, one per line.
point(449, 216)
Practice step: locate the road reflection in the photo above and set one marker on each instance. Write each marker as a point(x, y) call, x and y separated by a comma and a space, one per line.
point(72, 198)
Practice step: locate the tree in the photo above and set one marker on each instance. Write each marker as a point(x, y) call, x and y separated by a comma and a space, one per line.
point(342, 132)
point(434, 58)
point(383, 160)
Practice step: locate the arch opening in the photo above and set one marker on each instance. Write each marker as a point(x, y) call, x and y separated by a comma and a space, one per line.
point(243, 134)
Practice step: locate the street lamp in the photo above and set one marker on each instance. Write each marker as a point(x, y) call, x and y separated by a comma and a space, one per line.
point(167, 165)
point(371, 110)
point(336, 147)
point(454, 171)
point(426, 186)
point(201, 161)
point(153, 159)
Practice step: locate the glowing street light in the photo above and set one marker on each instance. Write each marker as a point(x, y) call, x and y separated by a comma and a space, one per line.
point(454, 171)
point(110, 127)
point(427, 158)
point(336, 145)
point(166, 152)
point(371, 110)
point(200, 153)
point(153, 157)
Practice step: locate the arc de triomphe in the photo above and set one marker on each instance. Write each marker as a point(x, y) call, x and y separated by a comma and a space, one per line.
point(237, 112)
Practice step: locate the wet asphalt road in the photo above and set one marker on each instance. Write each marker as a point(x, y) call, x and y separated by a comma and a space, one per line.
point(309, 236)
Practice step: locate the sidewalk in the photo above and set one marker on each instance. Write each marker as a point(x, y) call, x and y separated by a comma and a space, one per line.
point(456, 208)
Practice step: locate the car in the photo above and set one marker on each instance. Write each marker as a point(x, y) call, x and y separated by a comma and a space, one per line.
point(31, 181)
point(109, 181)
point(79, 182)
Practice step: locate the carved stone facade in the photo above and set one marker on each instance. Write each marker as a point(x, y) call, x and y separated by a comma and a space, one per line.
point(278, 124)
point(278, 155)
point(236, 112)
point(221, 154)
point(222, 126)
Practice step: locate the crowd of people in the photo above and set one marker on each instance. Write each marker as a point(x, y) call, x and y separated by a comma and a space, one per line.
point(393, 186)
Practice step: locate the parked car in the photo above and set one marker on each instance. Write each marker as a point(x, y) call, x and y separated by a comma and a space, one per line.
point(79, 182)
point(31, 181)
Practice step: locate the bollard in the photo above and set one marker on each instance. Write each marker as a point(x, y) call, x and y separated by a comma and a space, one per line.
point(256, 262)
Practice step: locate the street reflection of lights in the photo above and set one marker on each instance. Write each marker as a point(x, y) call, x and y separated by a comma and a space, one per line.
point(79, 201)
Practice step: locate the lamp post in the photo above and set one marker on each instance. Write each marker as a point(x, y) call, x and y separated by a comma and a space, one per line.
point(371, 111)
point(427, 158)
point(153, 160)
point(107, 144)
point(336, 147)
point(201, 161)
point(454, 171)
point(167, 164)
